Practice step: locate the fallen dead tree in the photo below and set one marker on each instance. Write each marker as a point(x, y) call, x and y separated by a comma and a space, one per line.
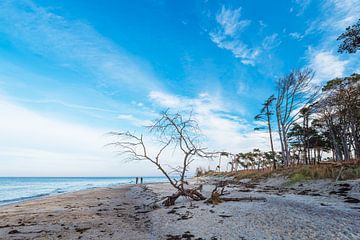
point(171, 131)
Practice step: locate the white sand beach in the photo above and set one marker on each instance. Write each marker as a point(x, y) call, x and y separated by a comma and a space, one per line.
point(310, 210)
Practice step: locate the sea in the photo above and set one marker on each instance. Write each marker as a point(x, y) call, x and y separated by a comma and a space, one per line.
point(19, 189)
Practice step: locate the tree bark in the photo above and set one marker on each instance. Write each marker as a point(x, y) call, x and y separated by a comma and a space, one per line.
point(270, 134)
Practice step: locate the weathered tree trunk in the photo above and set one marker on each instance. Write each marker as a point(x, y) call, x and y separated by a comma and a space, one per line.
point(278, 116)
point(270, 134)
point(354, 134)
point(345, 147)
point(306, 145)
point(336, 148)
point(319, 155)
point(170, 201)
point(286, 146)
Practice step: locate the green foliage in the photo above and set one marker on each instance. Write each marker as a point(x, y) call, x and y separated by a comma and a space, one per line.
point(298, 177)
point(306, 173)
point(345, 171)
point(350, 39)
point(356, 171)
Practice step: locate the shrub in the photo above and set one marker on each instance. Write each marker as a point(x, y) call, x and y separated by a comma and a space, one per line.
point(298, 177)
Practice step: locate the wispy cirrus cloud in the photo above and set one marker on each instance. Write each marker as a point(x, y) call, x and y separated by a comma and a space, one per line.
point(326, 65)
point(73, 45)
point(230, 21)
point(227, 35)
point(271, 41)
point(340, 13)
point(299, 7)
point(65, 104)
point(296, 35)
point(335, 16)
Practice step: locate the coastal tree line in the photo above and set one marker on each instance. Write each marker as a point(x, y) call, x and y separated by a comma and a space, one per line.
point(310, 122)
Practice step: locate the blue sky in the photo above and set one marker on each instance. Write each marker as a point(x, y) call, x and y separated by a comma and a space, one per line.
point(74, 70)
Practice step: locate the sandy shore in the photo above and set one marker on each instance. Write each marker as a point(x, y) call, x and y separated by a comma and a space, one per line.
point(314, 210)
point(103, 213)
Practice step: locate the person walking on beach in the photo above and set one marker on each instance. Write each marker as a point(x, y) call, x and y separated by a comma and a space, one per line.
point(141, 180)
point(137, 180)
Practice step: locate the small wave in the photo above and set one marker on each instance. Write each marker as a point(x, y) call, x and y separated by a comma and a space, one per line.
point(55, 186)
point(59, 190)
point(20, 199)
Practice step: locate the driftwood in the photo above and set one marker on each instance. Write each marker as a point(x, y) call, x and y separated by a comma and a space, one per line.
point(171, 199)
point(339, 175)
point(244, 199)
point(216, 199)
point(216, 196)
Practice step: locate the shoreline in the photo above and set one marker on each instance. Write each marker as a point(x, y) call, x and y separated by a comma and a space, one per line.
point(45, 196)
point(91, 213)
point(30, 199)
point(303, 211)
point(59, 191)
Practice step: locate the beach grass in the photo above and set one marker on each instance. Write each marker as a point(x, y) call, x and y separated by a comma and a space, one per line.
point(327, 170)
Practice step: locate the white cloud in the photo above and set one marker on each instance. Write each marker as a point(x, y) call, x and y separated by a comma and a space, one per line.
point(227, 35)
point(271, 41)
point(333, 18)
point(32, 144)
point(65, 104)
point(327, 66)
point(238, 48)
point(300, 6)
point(262, 25)
point(72, 44)
point(223, 130)
point(134, 120)
point(230, 21)
point(342, 13)
point(166, 100)
point(296, 36)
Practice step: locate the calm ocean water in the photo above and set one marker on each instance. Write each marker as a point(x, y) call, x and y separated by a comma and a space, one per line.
point(18, 189)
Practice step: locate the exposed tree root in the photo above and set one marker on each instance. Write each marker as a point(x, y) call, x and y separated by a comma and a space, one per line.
point(190, 193)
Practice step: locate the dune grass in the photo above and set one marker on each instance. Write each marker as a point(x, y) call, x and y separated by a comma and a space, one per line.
point(327, 170)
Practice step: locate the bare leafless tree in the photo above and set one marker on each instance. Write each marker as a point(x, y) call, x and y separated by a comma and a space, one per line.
point(294, 91)
point(171, 130)
point(265, 114)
